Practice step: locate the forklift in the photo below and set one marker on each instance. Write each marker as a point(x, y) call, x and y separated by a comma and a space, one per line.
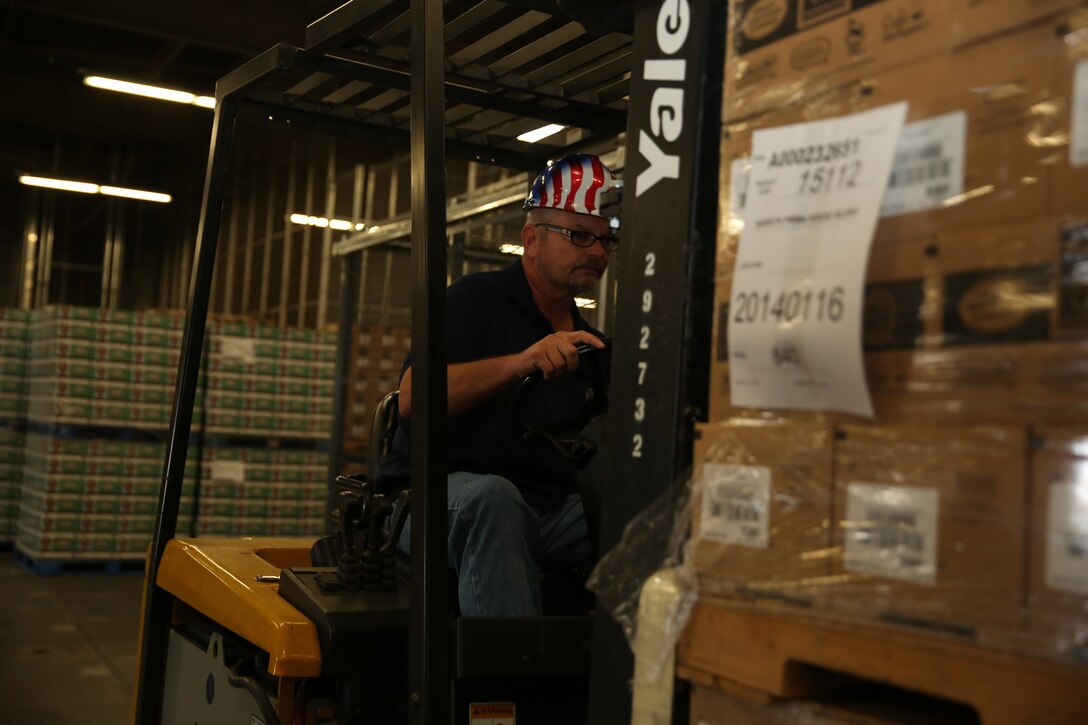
point(255, 630)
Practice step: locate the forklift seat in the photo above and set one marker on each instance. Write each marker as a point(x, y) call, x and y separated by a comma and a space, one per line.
point(383, 426)
point(563, 591)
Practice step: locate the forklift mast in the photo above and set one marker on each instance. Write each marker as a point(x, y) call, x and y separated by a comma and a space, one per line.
point(661, 354)
point(662, 323)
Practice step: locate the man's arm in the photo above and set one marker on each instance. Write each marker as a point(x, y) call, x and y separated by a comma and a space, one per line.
point(471, 383)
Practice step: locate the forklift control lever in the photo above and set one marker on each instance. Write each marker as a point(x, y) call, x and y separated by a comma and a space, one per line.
point(578, 451)
point(396, 522)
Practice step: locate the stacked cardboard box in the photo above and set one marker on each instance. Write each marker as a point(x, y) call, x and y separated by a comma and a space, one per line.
point(11, 459)
point(955, 509)
point(13, 363)
point(14, 394)
point(261, 380)
point(255, 491)
point(96, 377)
point(377, 355)
point(92, 497)
point(102, 367)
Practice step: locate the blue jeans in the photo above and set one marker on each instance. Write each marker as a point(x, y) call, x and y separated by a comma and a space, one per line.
point(497, 544)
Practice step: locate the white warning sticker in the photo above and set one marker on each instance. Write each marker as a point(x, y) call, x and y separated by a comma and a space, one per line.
point(736, 504)
point(492, 713)
point(928, 165)
point(891, 531)
point(1067, 537)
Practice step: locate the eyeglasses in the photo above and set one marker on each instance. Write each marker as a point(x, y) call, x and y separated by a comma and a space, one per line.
point(581, 238)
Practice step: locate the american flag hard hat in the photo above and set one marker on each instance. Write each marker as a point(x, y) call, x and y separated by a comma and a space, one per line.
point(573, 183)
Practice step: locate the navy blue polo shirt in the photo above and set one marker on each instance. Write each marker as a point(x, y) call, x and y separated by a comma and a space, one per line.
point(491, 314)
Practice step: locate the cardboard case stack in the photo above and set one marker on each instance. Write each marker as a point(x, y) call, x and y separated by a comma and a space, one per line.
point(956, 510)
point(14, 387)
point(377, 356)
point(264, 383)
point(101, 389)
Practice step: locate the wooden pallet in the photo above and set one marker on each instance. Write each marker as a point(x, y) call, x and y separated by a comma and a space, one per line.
point(770, 653)
point(97, 564)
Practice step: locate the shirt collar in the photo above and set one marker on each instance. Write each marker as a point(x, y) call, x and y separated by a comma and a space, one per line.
point(517, 284)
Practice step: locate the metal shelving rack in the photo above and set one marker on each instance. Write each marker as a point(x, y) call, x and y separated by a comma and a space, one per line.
point(464, 78)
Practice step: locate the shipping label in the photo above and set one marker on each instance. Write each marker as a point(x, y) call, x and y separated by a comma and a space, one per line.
point(1078, 147)
point(240, 349)
point(813, 194)
point(736, 504)
point(891, 531)
point(228, 470)
point(1067, 537)
point(929, 165)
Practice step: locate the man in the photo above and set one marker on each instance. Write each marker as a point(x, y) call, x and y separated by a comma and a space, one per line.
point(513, 504)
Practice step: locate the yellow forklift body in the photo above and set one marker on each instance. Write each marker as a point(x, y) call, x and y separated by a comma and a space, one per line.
point(220, 578)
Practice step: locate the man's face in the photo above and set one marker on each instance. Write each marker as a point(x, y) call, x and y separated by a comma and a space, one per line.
point(574, 269)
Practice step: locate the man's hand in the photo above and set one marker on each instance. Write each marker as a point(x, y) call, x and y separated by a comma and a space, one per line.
point(471, 383)
point(555, 354)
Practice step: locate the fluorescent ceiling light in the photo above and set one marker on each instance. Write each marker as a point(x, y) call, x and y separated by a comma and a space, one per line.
point(157, 92)
point(323, 222)
point(512, 249)
point(82, 187)
point(85, 187)
point(585, 303)
point(135, 194)
point(540, 133)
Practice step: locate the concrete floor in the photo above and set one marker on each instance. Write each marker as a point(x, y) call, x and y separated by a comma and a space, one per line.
point(67, 646)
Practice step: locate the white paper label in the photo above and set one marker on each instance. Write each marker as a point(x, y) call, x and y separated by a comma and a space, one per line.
point(228, 470)
point(814, 192)
point(928, 166)
point(1078, 147)
point(1067, 538)
point(891, 531)
point(736, 504)
point(242, 349)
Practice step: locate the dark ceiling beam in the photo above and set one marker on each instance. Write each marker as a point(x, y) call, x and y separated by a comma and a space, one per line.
point(166, 56)
point(240, 26)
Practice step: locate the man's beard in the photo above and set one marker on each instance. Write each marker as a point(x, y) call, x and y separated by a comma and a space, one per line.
point(576, 285)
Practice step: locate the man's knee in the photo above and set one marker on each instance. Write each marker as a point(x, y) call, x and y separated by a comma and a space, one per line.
point(483, 492)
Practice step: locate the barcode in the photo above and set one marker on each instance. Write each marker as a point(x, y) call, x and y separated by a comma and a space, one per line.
point(741, 511)
point(930, 151)
point(734, 502)
point(1076, 547)
point(893, 529)
point(922, 174)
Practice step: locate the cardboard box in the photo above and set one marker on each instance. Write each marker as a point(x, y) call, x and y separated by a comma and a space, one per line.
point(970, 154)
point(762, 506)
point(1017, 283)
point(1057, 587)
point(899, 314)
point(781, 51)
point(1014, 384)
point(710, 706)
point(1070, 150)
point(930, 521)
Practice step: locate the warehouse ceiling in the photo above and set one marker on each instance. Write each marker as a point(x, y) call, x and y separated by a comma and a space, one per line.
point(51, 124)
point(49, 119)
